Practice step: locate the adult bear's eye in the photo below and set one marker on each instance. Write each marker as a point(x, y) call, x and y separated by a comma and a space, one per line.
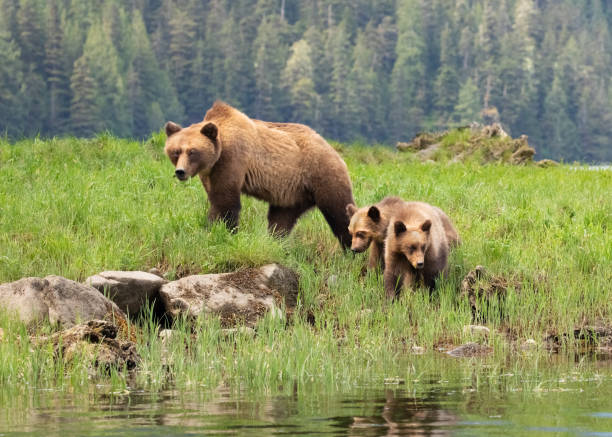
point(192, 152)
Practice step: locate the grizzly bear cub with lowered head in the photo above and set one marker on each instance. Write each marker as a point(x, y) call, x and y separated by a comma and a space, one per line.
point(419, 238)
point(288, 165)
point(368, 228)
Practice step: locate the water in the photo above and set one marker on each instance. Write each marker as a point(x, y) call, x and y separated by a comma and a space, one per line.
point(548, 397)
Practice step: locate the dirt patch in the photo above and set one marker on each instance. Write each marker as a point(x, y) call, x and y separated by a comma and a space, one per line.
point(599, 337)
point(481, 288)
point(282, 285)
point(95, 342)
point(231, 315)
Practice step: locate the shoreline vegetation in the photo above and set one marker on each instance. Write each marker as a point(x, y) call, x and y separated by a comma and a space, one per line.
point(75, 207)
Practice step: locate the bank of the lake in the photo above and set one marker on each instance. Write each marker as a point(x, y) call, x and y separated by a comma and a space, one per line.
point(77, 207)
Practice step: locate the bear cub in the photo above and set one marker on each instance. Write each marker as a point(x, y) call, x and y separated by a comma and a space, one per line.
point(419, 238)
point(368, 228)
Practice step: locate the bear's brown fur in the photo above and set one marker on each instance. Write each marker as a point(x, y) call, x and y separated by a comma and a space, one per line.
point(419, 238)
point(287, 165)
point(368, 228)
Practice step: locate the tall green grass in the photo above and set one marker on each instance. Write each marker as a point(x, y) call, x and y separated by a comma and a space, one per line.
point(75, 207)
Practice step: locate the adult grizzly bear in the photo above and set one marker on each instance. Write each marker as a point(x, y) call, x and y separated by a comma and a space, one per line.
point(288, 165)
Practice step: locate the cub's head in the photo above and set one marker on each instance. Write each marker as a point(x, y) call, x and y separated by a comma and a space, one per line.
point(411, 242)
point(192, 150)
point(365, 225)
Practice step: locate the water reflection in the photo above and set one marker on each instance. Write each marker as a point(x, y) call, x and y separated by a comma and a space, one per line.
point(454, 397)
point(400, 415)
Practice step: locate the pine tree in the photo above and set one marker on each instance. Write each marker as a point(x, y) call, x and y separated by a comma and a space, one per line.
point(56, 73)
point(297, 80)
point(148, 87)
point(560, 129)
point(11, 80)
point(408, 76)
point(468, 105)
point(103, 62)
point(339, 52)
point(84, 109)
point(271, 56)
point(31, 33)
point(180, 52)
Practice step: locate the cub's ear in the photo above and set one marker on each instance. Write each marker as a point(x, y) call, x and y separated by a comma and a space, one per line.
point(374, 214)
point(399, 227)
point(172, 128)
point(426, 226)
point(210, 130)
point(351, 210)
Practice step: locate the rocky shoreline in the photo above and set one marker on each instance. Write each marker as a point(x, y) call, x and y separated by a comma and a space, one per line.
point(92, 318)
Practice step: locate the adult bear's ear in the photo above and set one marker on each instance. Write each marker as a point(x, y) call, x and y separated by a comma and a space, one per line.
point(210, 130)
point(374, 214)
point(399, 227)
point(172, 128)
point(351, 209)
point(426, 226)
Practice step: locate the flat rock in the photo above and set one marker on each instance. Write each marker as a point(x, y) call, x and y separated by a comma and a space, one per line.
point(469, 350)
point(529, 344)
point(57, 300)
point(96, 342)
point(476, 330)
point(129, 290)
point(239, 298)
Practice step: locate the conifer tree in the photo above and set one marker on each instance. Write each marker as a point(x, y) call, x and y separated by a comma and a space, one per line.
point(84, 109)
point(56, 73)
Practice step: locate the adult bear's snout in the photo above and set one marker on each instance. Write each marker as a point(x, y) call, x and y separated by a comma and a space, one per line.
point(180, 174)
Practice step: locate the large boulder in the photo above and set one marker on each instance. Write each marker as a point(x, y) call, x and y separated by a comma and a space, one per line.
point(95, 342)
point(56, 299)
point(237, 298)
point(129, 290)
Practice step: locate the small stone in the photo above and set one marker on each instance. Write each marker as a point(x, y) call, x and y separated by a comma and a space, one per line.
point(332, 280)
point(469, 350)
point(244, 331)
point(476, 330)
point(529, 344)
point(418, 350)
point(155, 271)
point(365, 313)
point(166, 334)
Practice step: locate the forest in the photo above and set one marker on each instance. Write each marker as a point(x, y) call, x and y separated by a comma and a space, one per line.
point(368, 71)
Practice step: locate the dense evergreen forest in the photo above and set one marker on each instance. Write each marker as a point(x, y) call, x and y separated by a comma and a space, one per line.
point(376, 70)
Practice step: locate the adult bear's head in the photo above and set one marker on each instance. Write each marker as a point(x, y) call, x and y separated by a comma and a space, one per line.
point(193, 150)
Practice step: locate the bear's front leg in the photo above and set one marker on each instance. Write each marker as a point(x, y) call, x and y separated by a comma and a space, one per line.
point(225, 206)
point(392, 283)
point(376, 257)
point(408, 280)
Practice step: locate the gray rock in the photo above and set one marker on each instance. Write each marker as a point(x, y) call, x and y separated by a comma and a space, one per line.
point(56, 299)
point(242, 297)
point(129, 290)
point(469, 350)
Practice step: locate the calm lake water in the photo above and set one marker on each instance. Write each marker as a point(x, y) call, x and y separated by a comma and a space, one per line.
point(548, 396)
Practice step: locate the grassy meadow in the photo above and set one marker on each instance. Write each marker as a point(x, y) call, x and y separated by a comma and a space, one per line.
point(76, 207)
